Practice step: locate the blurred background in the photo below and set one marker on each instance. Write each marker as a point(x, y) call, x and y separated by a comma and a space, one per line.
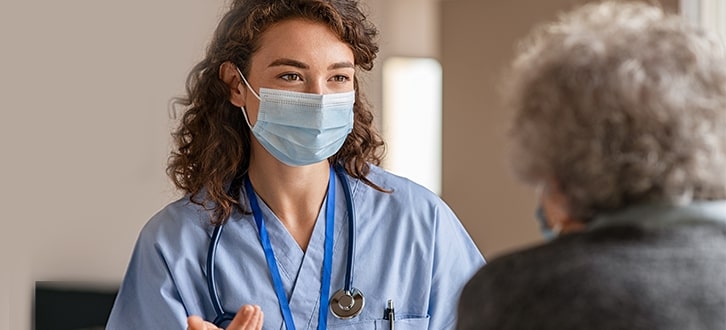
point(84, 132)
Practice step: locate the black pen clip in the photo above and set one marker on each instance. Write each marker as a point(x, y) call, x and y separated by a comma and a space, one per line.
point(389, 313)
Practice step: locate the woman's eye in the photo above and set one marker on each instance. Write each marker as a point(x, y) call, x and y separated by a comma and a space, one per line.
point(341, 78)
point(291, 77)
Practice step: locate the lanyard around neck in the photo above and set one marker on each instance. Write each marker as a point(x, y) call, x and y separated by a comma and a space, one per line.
point(272, 263)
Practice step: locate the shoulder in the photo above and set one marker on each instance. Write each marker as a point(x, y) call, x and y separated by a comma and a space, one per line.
point(411, 215)
point(401, 188)
point(181, 218)
point(543, 263)
point(520, 285)
point(558, 270)
point(524, 265)
point(609, 270)
point(404, 203)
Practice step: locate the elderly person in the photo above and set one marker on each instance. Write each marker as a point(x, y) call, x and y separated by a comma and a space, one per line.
point(620, 121)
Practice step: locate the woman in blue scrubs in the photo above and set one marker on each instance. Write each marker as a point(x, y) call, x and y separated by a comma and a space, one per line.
point(275, 134)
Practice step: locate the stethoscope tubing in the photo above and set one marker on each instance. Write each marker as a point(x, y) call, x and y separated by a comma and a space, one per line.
point(223, 316)
point(211, 283)
point(351, 231)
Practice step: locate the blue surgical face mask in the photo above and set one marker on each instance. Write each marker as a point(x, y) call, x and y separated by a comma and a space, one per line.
point(544, 225)
point(301, 128)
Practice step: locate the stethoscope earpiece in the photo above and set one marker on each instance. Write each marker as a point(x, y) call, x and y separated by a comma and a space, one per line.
point(347, 304)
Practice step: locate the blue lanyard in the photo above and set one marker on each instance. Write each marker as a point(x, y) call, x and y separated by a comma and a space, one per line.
point(272, 264)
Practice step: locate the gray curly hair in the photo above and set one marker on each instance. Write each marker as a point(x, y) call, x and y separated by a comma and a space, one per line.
point(620, 103)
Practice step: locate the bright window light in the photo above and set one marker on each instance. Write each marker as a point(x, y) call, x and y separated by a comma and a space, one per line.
point(412, 119)
point(710, 14)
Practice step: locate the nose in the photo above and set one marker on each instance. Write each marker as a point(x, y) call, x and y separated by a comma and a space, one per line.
point(316, 86)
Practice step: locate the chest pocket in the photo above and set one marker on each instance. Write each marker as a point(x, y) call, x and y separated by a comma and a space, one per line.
point(417, 323)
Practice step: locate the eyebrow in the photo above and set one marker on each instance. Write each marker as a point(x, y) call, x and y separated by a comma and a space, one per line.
point(301, 65)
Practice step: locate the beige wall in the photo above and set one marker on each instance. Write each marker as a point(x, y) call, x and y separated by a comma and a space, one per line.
point(84, 132)
point(477, 41)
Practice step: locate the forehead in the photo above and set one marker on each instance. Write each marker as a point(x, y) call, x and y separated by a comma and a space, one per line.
point(303, 40)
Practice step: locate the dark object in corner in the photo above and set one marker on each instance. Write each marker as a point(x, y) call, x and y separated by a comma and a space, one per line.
point(72, 305)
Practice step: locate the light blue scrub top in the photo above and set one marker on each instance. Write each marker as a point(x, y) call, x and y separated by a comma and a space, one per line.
point(410, 247)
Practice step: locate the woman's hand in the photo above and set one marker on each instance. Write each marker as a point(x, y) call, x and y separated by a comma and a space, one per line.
point(249, 317)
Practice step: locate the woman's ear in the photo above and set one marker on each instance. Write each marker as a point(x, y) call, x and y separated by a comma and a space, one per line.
point(237, 90)
point(557, 208)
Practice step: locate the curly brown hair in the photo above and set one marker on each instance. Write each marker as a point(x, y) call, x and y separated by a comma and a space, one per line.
point(213, 140)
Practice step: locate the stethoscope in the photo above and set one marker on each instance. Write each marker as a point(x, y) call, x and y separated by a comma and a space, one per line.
point(345, 303)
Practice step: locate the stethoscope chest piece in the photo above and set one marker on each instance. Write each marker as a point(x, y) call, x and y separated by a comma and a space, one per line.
point(347, 304)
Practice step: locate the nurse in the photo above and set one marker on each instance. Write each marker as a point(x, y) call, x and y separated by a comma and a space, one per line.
point(277, 145)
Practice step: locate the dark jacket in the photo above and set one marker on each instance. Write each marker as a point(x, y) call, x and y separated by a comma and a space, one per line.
point(655, 267)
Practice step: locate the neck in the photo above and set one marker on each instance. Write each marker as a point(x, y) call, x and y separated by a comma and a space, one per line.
point(294, 194)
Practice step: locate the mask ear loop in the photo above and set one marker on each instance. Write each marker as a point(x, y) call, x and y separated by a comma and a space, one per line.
point(244, 111)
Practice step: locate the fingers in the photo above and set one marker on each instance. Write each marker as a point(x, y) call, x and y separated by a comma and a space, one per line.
point(249, 317)
point(258, 319)
point(197, 323)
